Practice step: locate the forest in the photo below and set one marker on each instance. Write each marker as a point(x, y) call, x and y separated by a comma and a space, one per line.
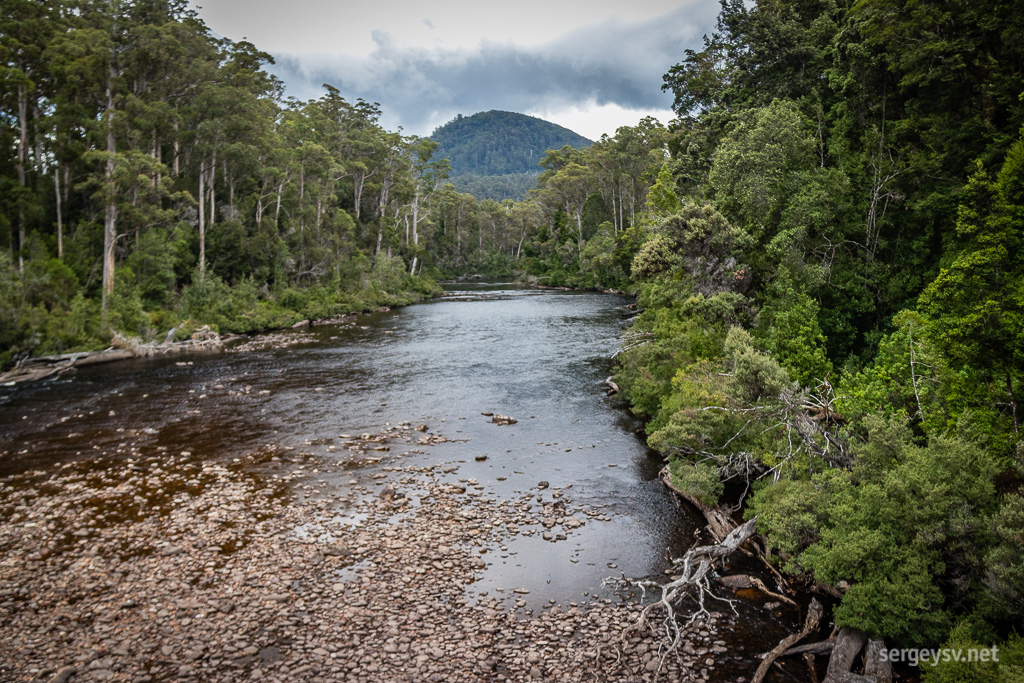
point(825, 247)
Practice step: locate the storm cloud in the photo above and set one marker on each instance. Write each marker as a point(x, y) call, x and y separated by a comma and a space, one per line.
point(612, 63)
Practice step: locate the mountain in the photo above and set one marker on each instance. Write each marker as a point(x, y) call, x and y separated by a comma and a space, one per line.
point(494, 154)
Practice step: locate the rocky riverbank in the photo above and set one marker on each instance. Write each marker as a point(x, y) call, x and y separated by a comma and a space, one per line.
point(169, 568)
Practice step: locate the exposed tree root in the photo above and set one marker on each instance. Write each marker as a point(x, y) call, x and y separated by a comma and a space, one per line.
point(692, 581)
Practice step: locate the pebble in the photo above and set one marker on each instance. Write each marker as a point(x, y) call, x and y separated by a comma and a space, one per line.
point(184, 570)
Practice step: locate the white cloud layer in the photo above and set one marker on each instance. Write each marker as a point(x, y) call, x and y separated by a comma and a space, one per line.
point(590, 67)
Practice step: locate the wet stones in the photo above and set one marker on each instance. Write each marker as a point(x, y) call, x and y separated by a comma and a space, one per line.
point(200, 571)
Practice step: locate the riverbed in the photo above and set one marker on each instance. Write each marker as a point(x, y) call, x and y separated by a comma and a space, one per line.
point(355, 451)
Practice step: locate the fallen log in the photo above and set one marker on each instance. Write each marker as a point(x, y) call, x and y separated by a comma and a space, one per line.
point(759, 585)
point(613, 388)
point(814, 613)
point(739, 581)
point(45, 367)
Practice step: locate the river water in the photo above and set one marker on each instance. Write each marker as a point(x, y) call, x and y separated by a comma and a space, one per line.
point(540, 357)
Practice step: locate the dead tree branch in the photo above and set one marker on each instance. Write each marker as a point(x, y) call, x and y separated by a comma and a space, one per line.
point(691, 581)
point(814, 613)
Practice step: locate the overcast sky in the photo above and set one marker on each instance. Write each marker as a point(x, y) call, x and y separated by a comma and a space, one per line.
point(589, 66)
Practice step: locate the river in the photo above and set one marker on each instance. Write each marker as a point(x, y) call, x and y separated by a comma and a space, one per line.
point(539, 357)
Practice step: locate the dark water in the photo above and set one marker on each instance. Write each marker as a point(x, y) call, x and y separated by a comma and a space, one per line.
point(540, 357)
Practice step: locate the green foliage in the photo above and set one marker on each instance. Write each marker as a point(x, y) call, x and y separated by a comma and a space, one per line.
point(790, 513)
point(515, 186)
point(757, 166)
point(790, 331)
point(976, 304)
point(701, 480)
point(599, 269)
point(1008, 669)
point(840, 325)
point(152, 262)
point(657, 255)
point(892, 530)
point(662, 199)
point(1004, 574)
point(903, 377)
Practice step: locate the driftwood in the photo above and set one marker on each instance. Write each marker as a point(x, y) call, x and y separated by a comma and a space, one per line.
point(845, 647)
point(613, 388)
point(46, 367)
point(692, 580)
point(814, 613)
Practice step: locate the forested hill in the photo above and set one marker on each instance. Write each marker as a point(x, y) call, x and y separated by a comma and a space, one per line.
point(494, 154)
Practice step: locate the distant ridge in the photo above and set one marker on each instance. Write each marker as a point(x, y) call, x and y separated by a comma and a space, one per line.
point(494, 154)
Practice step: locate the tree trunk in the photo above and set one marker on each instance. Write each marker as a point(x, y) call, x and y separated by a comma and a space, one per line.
point(210, 179)
point(110, 210)
point(60, 218)
point(848, 645)
point(875, 666)
point(22, 164)
point(720, 524)
point(202, 222)
point(177, 150)
point(415, 227)
point(302, 197)
point(357, 192)
point(277, 209)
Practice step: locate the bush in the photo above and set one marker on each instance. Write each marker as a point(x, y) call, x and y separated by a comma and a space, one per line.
point(700, 480)
point(1009, 668)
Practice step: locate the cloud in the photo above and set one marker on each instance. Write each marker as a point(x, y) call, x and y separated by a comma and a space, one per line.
point(613, 65)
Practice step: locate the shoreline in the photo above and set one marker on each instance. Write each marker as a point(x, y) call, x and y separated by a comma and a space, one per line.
point(204, 341)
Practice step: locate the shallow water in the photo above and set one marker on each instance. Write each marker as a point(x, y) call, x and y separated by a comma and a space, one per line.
point(540, 357)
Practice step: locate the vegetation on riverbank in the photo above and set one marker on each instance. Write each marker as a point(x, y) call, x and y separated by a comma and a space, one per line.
point(833, 318)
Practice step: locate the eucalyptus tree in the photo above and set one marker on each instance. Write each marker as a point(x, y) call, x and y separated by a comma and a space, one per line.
point(426, 175)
